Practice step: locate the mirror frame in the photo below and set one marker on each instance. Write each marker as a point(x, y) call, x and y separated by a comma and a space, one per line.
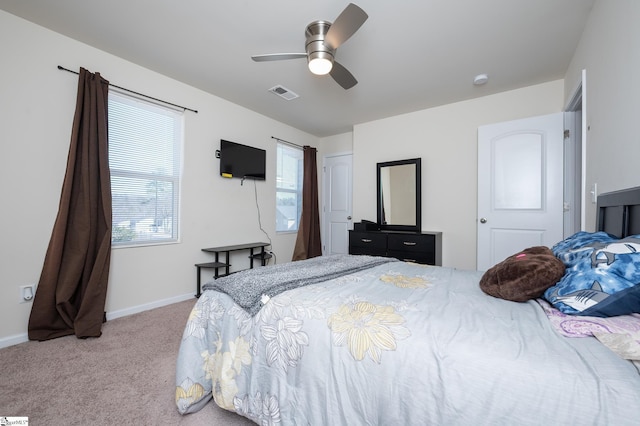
point(395, 227)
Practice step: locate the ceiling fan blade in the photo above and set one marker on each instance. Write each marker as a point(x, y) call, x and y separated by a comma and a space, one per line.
point(342, 76)
point(278, 56)
point(345, 25)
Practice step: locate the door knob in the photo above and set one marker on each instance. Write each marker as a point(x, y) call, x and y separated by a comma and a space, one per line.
point(483, 220)
point(348, 217)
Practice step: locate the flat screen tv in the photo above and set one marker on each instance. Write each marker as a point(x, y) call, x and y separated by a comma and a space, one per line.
point(241, 161)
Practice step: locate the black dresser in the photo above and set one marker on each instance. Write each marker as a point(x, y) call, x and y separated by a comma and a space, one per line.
point(419, 247)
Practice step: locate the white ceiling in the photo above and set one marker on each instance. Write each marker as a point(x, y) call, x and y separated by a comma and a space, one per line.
point(409, 55)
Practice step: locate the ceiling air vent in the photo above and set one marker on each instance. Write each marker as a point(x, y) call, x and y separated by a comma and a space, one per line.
point(283, 92)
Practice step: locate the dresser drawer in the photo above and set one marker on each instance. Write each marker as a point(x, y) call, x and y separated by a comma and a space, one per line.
point(370, 240)
point(411, 242)
point(370, 251)
point(424, 257)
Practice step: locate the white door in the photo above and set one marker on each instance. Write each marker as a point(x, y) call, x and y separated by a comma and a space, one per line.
point(520, 187)
point(337, 203)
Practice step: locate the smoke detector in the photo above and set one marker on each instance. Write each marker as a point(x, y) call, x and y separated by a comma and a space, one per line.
point(283, 92)
point(480, 79)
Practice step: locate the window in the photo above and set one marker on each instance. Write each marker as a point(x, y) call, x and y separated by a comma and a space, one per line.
point(288, 187)
point(145, 141)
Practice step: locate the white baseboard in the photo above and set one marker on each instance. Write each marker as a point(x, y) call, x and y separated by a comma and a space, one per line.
point(148, 306)
point(13, 340)
point(24, 337)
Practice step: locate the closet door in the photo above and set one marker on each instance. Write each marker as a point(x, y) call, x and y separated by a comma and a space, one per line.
point(337, 204)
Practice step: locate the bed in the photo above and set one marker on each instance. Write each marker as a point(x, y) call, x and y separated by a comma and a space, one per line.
point(377, 341)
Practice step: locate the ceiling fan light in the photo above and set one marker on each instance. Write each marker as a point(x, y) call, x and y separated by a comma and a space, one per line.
point(320, 66)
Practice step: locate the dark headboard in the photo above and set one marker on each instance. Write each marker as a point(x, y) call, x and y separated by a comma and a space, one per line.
point(619, 212)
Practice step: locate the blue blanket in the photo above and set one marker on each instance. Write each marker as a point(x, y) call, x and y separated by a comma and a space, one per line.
point(602, 277)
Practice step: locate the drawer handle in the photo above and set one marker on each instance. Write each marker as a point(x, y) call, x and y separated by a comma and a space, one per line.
point(365, 240)
point(409, 243)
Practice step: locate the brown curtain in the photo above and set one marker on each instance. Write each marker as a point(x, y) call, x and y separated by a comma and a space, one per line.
point(308, 242)
point(72, 290)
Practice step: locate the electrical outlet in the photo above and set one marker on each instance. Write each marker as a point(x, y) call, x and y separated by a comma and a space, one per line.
point(27, 293)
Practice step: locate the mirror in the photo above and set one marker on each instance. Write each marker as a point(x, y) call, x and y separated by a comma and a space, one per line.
point(399, 195)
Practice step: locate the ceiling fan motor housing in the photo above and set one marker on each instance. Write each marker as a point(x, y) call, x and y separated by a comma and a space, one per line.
point(315, 47)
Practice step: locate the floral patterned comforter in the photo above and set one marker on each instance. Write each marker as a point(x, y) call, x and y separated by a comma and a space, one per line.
point(398, 343)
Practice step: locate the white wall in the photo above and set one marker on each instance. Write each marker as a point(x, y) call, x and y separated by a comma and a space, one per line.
point(37, 103)
point(446, 139)
point(609, 51)
point(337, 144)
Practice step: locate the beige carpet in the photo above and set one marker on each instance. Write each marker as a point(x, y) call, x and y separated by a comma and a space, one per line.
point(125, 377)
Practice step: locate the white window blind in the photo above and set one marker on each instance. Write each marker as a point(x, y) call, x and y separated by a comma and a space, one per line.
point(289, 173)
point(145, 142)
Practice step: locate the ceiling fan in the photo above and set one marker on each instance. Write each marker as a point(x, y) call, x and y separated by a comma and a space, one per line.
point(323, 38)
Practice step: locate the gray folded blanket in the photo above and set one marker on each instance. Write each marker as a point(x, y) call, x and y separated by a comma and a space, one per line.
point(248, 287)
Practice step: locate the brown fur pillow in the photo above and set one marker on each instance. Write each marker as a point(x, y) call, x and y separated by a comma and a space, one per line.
point(523, 276)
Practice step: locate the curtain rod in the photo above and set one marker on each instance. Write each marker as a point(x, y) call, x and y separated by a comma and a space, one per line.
point(60, 67)
point(287, 142)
